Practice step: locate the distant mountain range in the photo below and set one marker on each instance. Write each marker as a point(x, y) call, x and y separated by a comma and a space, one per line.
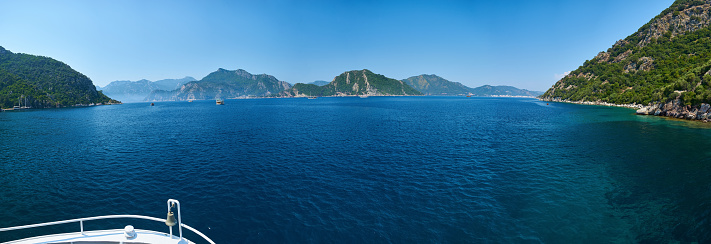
point(137, 91)
point(42, 82)
point(223, 84)
point(45, 82)
point(435, 85)
point(488, 91)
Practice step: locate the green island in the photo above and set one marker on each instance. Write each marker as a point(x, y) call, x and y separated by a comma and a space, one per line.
point(42, 82)
point(355, 83)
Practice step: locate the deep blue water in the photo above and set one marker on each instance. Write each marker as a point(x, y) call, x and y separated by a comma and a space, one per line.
point(352, 170)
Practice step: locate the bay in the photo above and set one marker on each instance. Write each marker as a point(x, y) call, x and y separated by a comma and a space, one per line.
point(352, 170)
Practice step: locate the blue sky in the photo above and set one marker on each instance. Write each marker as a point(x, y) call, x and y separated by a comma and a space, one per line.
point(527, 44)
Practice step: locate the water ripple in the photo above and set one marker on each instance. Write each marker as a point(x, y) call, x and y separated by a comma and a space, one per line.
point(376, 170)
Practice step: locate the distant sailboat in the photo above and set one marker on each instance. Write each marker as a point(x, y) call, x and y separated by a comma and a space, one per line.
point(19, 104)
point(25, 107)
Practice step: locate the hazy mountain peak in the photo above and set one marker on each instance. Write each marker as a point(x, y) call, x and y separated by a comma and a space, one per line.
point(320, 83)
point(136, 91)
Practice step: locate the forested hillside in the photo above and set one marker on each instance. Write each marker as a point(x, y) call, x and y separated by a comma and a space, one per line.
point(668, 58)
point(42, 82)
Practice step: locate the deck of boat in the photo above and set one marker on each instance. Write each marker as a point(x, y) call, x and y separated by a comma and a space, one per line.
point(104, 237)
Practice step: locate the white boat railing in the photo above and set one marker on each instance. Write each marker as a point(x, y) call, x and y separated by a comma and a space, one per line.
point(81, 223)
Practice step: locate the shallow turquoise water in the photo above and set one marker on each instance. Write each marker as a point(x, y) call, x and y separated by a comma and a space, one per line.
point(375, 170)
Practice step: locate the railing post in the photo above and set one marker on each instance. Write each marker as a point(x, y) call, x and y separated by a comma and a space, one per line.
point(180, 224)
point(81, 225)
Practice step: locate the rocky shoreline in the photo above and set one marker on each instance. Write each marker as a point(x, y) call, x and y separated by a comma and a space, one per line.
point(634, 105)
point(674, 109)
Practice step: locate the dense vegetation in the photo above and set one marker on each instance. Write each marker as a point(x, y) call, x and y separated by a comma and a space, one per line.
point(356, 82)
point(43, 82)
point(668, 58)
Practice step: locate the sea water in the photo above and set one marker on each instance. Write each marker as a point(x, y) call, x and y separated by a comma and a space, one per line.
point(353, 170)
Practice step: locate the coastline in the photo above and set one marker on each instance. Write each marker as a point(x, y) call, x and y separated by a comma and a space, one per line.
point(598, 103)
point(672, 109)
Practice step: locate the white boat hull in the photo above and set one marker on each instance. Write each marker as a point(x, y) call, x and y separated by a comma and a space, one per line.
point(105, 237)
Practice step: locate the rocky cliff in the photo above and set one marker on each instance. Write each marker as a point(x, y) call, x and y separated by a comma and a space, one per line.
point(676, 109)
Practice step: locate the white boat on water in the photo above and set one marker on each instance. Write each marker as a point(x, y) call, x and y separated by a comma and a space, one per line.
point(127, 235)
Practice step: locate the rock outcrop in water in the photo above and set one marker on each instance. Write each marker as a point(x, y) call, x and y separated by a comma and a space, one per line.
point(676, 109)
